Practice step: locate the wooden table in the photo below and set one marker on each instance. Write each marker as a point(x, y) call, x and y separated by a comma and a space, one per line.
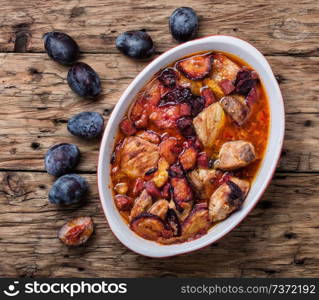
point(280, 237)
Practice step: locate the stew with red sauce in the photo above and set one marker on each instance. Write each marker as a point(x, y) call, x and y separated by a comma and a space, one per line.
point(190, 146)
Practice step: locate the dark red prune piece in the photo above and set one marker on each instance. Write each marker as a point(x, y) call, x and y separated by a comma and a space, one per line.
point(252, 96)
point(193, 141)
point(203, 160)
point(183, 95)
point(176, 171)
point(76, 232)
point(150, 227)
point(188, 158)
point(186, 127)
point(138, 186)
point(123, 202)
point(195, 67)
point(245, 81)
point(197, 104)
point(166, 191)
point(173, 222)
point(127, 127)
point(152, 189)
point(168, 78)
point(208, 96)
point(227, 86)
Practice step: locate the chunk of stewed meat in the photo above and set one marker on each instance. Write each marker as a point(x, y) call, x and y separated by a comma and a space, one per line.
point(235, 154)
point(138, 156)
point(170, 149)
point(197, 222)
point(188, 158)
point(227, 198)
point(236, 108)
point(149, 136)
point(203, 181)
point(209, 123)
point(159, 208)
point(141, 204)
point(224, 68)
point(181, 190)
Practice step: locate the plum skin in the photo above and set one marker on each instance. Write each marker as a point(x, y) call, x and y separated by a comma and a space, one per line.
point(136, 44)
point(61, 47)
point(183, 24)
point(68, 189)
point(84, 81)
point(61, 159)
point(87, 125)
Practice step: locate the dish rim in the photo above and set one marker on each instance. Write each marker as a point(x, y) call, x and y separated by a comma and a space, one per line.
point(148, 71)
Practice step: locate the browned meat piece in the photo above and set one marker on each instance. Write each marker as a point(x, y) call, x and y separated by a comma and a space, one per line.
point(227, 198)
point(170, 149)
point(227, 86)
point(182, 191)
point(188, 158)
point(149, 136)
point(159, 208)
point(197, 222)
point(152, 189)
point(203, 181)
point(141, 204)
point(235, 154)
point(138, 156)
point(224, 68)
point(186, 209)
point(138, 186)
point(235, 108)
point(209, 123)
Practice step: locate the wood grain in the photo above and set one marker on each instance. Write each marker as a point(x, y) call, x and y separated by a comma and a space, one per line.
point(280, 236)
point(274, 27)
point(39, 102)
point(278, 239)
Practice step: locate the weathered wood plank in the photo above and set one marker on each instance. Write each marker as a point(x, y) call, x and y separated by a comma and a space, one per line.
point(37, 102)
point(275, 27)
point(278, 239)
point(24, 144)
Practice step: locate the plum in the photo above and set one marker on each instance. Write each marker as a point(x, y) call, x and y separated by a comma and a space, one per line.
point(86, 125)
point(195, 67)
point(76, 232)
point(150, 227)
point(176, 170)
point(136, 44)
point(68, 189)
point(61, 159)
point(245, 81)
point(183, 24)
point(84, 81)
point(61, 47)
